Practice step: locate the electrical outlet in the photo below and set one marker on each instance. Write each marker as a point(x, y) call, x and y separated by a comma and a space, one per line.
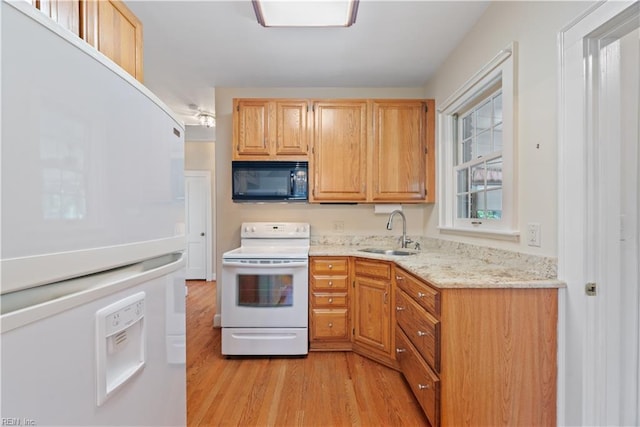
point(338, 226)
point(533, 234)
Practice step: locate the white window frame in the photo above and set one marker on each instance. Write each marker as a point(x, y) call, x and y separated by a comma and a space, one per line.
point(501, 70)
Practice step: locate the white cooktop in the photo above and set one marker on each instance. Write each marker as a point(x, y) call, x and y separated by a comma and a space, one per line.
point(285, 240)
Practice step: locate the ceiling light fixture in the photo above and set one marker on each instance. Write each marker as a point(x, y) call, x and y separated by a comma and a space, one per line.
point(306, 13)
point(207, 120)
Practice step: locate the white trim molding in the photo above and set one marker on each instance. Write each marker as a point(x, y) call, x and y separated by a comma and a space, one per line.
point(583, 385)
point(502, 70)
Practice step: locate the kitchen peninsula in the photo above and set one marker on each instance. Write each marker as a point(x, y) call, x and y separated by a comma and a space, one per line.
point(472, 329)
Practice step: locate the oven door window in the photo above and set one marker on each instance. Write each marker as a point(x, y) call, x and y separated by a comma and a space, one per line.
point(265, 290)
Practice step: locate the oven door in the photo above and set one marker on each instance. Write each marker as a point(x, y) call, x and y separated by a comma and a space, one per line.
point(265, 293)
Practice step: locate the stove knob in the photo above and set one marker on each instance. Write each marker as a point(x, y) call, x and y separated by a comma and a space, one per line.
point(253, 229)
point(246, 229)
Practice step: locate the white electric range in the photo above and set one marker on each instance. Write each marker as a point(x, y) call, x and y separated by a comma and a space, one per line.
point(265, 290)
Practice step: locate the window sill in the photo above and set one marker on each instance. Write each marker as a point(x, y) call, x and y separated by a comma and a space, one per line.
point(510, 235)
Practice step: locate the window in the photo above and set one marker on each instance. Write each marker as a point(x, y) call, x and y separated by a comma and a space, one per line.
point(478, 171)
point(477, 141)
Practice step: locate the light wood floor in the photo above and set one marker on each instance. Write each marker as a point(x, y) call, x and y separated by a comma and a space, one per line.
point(322, 389)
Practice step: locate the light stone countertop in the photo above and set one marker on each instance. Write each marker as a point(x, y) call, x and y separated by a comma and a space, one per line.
point(454, 265)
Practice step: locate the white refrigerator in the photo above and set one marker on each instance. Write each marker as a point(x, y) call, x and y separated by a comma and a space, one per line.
point(92, 284)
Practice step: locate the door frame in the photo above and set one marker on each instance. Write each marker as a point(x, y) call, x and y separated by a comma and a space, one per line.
point(582, 319)
point(210, 274)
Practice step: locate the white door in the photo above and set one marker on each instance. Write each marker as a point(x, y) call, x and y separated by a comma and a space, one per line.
point(599, 369)
point(198, 224)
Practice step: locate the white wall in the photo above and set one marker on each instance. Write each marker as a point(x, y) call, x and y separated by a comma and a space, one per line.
point(534, 26)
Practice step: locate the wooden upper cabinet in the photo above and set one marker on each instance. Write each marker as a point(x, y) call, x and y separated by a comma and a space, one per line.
point(292, 133)
point(115, 31)
point(269, 129)
point(64, 12)
point(362, 151)
point(339, 160)
point(251, 128)
point(107, 25)
point(399, 151)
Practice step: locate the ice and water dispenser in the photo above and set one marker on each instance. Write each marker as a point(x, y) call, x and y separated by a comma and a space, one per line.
point(120, 343)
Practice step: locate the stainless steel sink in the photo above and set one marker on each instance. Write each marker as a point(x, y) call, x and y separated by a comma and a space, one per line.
point(400, 252)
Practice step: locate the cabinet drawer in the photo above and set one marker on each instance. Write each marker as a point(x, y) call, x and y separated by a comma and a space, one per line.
point(337, 299)
point(424, 383)
point(424, 294)
point(320, 266)
point(420, 327)
point(329, 324)
point(328, 283)
point(379, 269)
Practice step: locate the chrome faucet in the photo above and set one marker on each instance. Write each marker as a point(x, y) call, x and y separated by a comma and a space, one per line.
point(405, 241)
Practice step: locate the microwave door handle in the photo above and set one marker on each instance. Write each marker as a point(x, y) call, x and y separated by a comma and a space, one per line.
point(291, 182)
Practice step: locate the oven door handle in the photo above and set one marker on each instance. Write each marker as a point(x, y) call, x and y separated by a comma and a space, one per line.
point(287, 264)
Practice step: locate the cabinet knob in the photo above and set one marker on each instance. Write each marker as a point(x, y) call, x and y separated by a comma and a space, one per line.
point(330, 266)
point(330, 324)
point(400, 350)
point(422, 334)
point(398, 308)
point(424, 386)
point(330, 283)
point(421, 295)
point(399, 278)
point(330, 300)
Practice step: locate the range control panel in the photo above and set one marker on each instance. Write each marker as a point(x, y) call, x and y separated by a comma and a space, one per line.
point(275, 230)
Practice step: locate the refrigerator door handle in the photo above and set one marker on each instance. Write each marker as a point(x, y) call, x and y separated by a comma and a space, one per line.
point(30, 305)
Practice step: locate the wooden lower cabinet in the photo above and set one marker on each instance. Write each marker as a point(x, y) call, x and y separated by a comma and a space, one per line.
point(424, 383)
point(421, 327)
point(329, 319)
point(487, 357)
point(372, 310)
point(471, 356)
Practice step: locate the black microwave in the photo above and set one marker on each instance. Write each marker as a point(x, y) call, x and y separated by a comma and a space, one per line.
point(269, 181)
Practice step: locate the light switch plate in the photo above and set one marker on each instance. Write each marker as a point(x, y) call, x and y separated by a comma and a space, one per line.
point(533, 234)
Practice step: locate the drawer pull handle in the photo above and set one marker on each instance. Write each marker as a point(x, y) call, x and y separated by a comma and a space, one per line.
point(422, 334)
point(330, 324)
point(399, 278)
point(400, 350)
point(330, 300)
point(330, 266)
point(398, 308)
point(330, 283)
point(424, 386)
point(421, 295)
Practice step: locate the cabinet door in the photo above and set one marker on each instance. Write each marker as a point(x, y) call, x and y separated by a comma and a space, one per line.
point(115, 31)
point(372, 321)
point(399, 151)
point(64, 12)
point(251, 129)
point(291, 128)
point(339, 158)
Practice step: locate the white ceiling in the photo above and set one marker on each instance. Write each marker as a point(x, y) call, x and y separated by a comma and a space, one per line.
point(191, 47)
